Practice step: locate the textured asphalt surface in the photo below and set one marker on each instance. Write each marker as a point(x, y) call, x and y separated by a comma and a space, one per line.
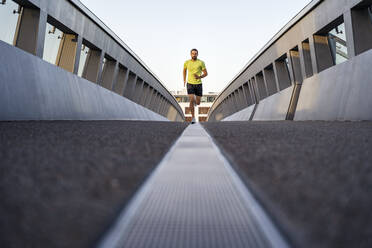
point(63, 183)
point(313, 178)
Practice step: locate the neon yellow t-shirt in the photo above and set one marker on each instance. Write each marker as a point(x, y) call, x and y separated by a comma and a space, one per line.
point(194, 67)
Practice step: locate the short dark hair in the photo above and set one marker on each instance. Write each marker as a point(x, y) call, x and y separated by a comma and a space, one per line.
point(194, 49)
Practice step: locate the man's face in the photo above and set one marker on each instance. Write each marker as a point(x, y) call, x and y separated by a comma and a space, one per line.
point(194, 55)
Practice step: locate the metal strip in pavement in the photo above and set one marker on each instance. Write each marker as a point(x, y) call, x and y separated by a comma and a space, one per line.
point(193, 199)
point(266, 225)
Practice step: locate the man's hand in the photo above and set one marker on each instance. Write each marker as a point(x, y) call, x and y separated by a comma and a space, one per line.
point(205, 73)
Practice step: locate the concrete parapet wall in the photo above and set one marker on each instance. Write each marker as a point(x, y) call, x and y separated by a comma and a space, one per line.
point(317, 67)
point(242, 115)
point(274, 107)
point(342, 92)
point(32, 89)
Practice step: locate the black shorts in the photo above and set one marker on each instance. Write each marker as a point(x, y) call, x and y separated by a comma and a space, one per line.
point(195, 89)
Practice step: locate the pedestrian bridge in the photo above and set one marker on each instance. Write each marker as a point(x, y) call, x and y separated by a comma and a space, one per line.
point(95, 152)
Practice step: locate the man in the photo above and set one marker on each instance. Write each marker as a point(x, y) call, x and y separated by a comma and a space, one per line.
point(196, 70)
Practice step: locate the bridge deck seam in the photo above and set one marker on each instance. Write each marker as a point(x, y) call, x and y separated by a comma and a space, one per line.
point(193, 199)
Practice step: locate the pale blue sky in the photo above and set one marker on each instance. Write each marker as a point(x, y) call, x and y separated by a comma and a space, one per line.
point(226, 33)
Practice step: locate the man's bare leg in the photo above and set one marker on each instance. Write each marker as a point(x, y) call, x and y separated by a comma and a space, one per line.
point(192, 99)
point(198, 100)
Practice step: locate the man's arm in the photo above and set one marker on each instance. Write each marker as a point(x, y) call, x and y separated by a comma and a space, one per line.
point(184, 76)
point(205, 73)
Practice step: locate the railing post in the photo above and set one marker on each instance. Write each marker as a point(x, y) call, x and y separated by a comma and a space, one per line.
point(115, 75)
point(125, 83)
point(290, 68)
point(276, 76)
point(265, 82)
point(142, 100)
point(79, 45)
point(302, 61)
point(149, 97)
point(43, 16)
point(350, 43)
point(158, 110)
point(139, 91)
point(314, 61)
point(100, 67)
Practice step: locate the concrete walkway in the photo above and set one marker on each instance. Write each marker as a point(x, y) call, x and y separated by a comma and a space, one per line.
point(314, 178)
point(63, 183)
point(193, 199)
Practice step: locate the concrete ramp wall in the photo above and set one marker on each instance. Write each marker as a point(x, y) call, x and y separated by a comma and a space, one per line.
point(342, 92)
point(274, 107)
point(317, 67)
point(32, 89)
point(242, 115)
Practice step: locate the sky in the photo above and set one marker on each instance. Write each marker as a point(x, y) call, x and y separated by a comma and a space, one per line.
point(226, 33)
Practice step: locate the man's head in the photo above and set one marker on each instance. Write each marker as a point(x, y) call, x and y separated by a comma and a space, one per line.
point(194, 54)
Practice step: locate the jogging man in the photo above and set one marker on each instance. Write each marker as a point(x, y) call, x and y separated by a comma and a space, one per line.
point(196, 71)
